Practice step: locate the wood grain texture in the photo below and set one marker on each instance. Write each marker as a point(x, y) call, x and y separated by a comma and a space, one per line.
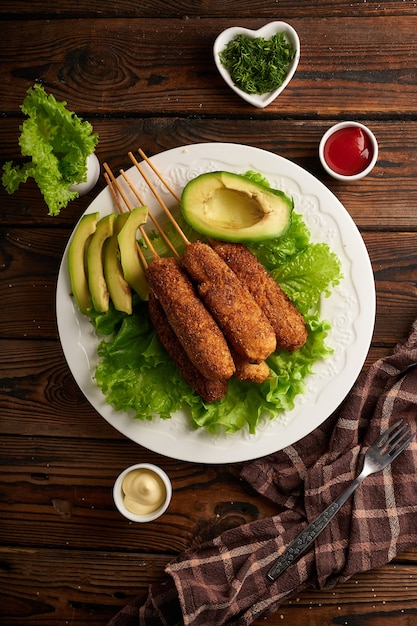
point(27, 291)
point(386, 199)
point(160, 66)
point(280, 9)
point(52, 502)
point(92, 595)
point(144, 75)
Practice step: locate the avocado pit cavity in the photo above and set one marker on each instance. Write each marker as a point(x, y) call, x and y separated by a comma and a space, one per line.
point(233, 207)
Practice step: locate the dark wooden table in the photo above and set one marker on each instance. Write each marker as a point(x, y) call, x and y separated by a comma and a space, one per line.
point(143, 74)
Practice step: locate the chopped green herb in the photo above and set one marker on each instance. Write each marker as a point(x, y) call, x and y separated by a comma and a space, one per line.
point(258, 65)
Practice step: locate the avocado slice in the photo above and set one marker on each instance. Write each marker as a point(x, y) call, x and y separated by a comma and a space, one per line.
point(96, 280)
point(77, 261)
point(133, 271)
point(231, 207)
point(119, 289)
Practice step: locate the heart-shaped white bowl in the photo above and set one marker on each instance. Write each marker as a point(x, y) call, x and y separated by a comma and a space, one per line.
point(267, 31)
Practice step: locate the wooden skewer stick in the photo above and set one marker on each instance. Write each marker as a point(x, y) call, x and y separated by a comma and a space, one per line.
point(116, 185)
point(121, 210)
point(152, 166)
point(158, 197)
point(113, 192)
point(160, 230)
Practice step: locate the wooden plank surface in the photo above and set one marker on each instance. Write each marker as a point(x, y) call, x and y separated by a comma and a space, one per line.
point(393, 257)
point(162, 66)
point(86, 594)
point(185, 9)
point(144, 75)
point(384, 200)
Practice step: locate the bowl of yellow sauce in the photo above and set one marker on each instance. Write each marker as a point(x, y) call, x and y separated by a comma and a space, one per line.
point(142, 492)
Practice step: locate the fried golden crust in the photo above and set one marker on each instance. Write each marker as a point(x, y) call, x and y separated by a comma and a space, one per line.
point(245, 326)
point(208, 390)
point(193, 325)
point(286, 320)
point(251, 372)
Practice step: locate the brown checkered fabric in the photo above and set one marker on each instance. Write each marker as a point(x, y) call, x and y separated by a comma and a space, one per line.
point(224, 581)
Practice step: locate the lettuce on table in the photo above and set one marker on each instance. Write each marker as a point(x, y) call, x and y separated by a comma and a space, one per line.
point(58, 142)
point(136, 373)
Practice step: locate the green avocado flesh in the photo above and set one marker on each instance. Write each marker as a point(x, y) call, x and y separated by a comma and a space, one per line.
point(133, 272)
point(77, 261)
point(96, 281)
point(119, 289)
point(103, 262)
point(232, 207)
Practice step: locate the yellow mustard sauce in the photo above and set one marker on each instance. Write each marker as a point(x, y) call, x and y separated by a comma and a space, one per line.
point(143, 491)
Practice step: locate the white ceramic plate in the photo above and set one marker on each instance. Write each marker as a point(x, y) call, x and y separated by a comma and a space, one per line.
point(267, 31)
point(350, 309)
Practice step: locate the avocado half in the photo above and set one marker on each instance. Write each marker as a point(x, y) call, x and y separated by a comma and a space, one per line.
point(232, 207)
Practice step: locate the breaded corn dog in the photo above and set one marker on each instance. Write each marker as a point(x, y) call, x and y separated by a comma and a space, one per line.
point(251, 372)
point(286, 320)
point(244, 325)
point(193, 325)
point(208, 390)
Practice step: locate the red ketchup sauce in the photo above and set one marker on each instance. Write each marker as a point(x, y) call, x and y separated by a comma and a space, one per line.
point(348, 151)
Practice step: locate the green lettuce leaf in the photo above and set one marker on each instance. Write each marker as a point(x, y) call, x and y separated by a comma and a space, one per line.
point(134, 368)
point(58, 142)
point(309, 275)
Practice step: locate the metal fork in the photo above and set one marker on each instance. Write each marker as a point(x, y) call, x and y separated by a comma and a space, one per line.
point(382, 452)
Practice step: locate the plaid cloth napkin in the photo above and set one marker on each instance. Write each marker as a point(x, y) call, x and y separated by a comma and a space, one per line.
point(224, 580)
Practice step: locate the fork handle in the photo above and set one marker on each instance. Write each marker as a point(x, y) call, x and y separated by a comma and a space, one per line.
point(300, 544)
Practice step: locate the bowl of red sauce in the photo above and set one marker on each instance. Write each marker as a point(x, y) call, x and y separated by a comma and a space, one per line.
point(348, 151)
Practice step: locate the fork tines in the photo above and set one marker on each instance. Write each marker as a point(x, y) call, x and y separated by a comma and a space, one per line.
point(392, 440)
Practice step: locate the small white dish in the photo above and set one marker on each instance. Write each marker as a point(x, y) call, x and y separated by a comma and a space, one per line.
point(93, 173)
point(371, 142)
point(267, 31)
point(158, 476)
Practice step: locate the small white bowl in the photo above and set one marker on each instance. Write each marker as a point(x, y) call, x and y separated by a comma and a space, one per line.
point(373, 143)
point(93, 173)
point(267, 31)
point(118, 495)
